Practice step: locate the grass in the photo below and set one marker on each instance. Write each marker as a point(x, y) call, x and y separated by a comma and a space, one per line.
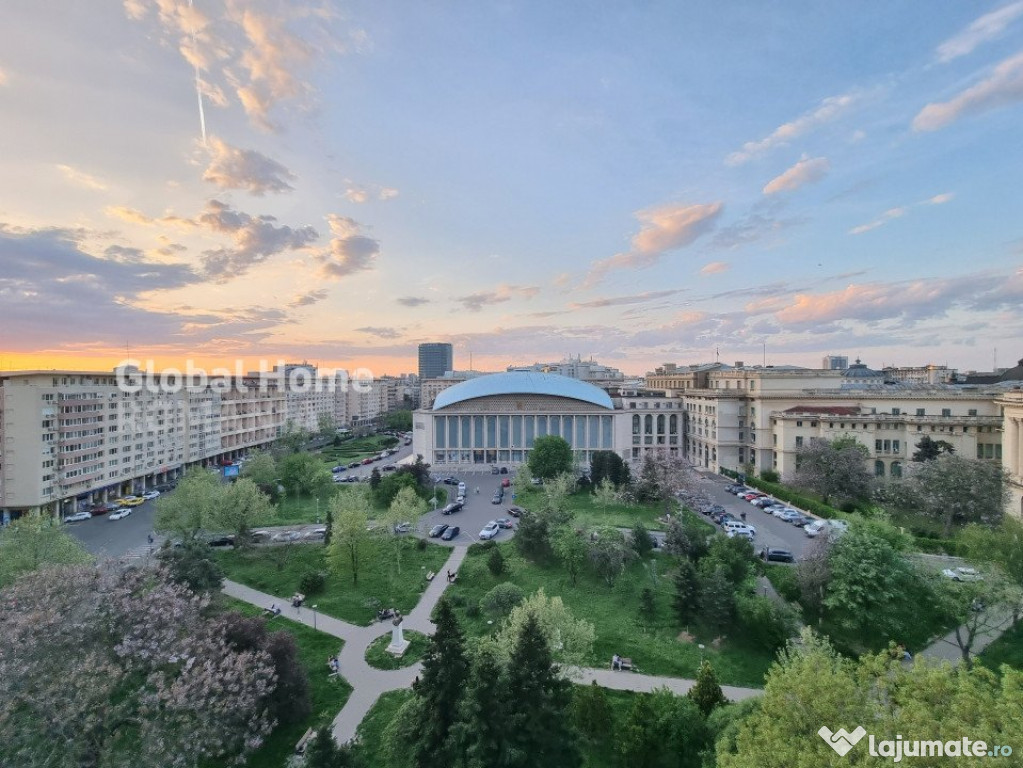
point(357, 449)
point(652, 642)
point(328, 694)
point(590, 514)
point(370, 734)
point(378, 657)
point(279, 569)
point(1007, 649)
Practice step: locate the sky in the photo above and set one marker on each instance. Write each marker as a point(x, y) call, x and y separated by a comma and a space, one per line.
point(637, 182)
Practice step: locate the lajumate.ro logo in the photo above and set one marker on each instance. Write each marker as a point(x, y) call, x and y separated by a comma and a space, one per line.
point(842, 741)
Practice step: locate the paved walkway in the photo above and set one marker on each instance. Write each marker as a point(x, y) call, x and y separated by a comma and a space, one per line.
point(947, 647)
point(369, 683)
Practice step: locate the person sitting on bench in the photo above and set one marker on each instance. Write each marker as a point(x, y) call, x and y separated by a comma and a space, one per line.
point(616, 662)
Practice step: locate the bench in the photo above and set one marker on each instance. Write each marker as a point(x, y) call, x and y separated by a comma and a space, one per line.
point(626, 664)
point(304, 741)
point(430, 575)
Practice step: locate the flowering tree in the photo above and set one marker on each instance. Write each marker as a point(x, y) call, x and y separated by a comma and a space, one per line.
point(113, 667)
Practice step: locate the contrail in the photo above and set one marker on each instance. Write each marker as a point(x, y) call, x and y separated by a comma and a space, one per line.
point(198, 89)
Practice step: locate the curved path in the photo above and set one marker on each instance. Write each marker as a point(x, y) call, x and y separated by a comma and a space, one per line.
point(369, 683)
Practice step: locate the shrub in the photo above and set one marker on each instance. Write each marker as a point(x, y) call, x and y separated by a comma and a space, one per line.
point(495, 563)
point(481, 548)
point(770, 476)
point(502, 598)
point(647, 606)
point(472, 610)
point(784, 580)
point(457, 600)
point(764, 621)
point(421, 545)
point(312, 582)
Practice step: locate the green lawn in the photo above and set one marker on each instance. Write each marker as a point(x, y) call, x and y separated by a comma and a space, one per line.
point(329, 694)
point(279, 569)
point(357, 449)
point(590, 514)
point(652, 643)
point(1007, 649)
point(378, 657)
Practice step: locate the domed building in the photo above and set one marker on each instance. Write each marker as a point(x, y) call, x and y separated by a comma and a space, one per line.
point(495, 419)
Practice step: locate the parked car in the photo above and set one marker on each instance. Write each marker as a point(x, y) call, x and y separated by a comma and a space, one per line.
point(316, 533)
point(450, 481)
point(962, 573)
point(102, 509)
point(120, 514)
point(763, 501)
point(504, 470)
point(790, 515)
point(388, 468)
point(735, 525)
point(831, 527)
point(437, 530)
point(287, 536)
point(355, 464)
point(450, 533)
point(739, 490)
point(537, 481)
point(734, 533)
point(403, 527)
point(722, 517)
point(504, 522)
point(799, 520)
point(132, 501)
point(498, 498)
point(713, 509)
point(773, 554)
point(77, 517)
point(490, 530)
point(779, 511)
point(367, 461)
point(221, 541)
point(450, 509)
point(460, 499)
point(514, 511)
point(494, 470)
point(153, 494)
point(338, 468)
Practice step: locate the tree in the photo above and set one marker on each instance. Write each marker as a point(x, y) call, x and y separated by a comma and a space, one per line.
point(570, 639)
point(549, 457)
point(734, 556)
point(539, 733)
point(979, 607)
point(874, 591)
point(953, 491)
point(928, 449)
point(604, 493)
point(191, 509)
point(302, 472)
point(592, 714)
point(495, 562)
point(324, 752)
point(192, 565)
point(610, 466)
point(399, 421)
point(813, 572)
point(261, 468)
point(326, 425)
point(351, 516)
point(716, 596)
point(834, 469)
point(533, 536)
point(641, 540)
point(1001, 546)
point(328, 533)
point(570, 548)
point(375, 478)
point(445, 673)
point(502, 598)
point(663, 730)
point(687, 592)
point(686, 537)
point(406, 507)
point(609, 553)
point(663, 478)
point(293, 439)
point(34, 540)
point(290, 701)
point(554, 500)
point(765, 622)
point(390, 486)
point(925, 699)
point(707, 694)
point(122, 667)
point(479, 733)
point(240, 506)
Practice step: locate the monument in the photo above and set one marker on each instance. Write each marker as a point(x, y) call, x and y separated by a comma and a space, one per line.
point(398, 644)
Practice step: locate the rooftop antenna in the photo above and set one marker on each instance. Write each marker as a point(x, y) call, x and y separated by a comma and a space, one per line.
point(765, 354)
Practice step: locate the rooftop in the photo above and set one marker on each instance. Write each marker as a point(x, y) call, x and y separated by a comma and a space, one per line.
point(523, 383)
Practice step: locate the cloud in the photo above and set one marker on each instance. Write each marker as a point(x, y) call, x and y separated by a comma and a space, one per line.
point(3, 77)
point(474, 302)
point(256, 239)
point(618, 301)
point(350, 251)
point(234, 168)
point(81, 178)
point(380, 332)
point(897, 213)
point(131, 215)
point(829, 109)
point(413, 301)
point(1002, 87)
point(715, 268)
point(359, 194)
point(988, 27)
point(806, 171)
point(664, 228)
point(884, 218)
point(308, 298)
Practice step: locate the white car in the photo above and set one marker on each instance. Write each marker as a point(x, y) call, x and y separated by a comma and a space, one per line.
point(490, 530)
point(736, 533)
point(962, 573)
point(77, 517)
point(151, 495)
point(120, 514)
point(739, 527)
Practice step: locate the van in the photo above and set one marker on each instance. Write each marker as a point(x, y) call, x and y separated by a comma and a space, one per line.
point(461, 489)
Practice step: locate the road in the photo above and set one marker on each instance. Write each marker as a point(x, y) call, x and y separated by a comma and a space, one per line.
point(108, 538)
point(478, 509)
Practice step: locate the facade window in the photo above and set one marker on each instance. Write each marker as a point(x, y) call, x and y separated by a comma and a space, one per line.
point(673, 424)
point(503, 431)
point(798, 424)
point(895, 446)
point(920, 412)
point(972, 412)
point(648, 424)
point(799, 441)
point(635, 424)
point(896, 469)
point(660, 424)
point(566, 429)
point(896, 412)
point(879, 469)
point(946, 411)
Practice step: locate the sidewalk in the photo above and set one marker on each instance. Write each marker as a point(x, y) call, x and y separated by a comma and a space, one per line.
point(948, 649)
point(634, 681)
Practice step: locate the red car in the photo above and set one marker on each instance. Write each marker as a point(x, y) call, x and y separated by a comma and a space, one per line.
point(367, 461)
point(505, 483)
point(102, 509)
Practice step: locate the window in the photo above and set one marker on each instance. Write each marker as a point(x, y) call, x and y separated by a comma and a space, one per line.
point(896, 412)
point(895, 446)
point(946, 411)
point(896, 469)
point(877, 446)
point(972, 412)
point(921, 412)
point(879, 469)
point(635, 424)
point(799, 441)
point(799, 423)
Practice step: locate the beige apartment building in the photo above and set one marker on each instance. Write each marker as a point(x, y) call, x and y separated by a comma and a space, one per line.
point(1011, 404)
point(77, 437)
point(741, 418)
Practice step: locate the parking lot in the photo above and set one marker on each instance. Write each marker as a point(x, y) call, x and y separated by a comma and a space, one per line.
point(478, 509)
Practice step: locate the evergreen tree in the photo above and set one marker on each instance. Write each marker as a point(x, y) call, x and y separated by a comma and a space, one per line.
point(539, 732)
point(707, 693)
point(330, 527)
point(640, 742)
point(592, 713)
point(495, 562)
point(717, 598)
point(478, 738)
point(687, 592)
point(374, 479)
point(445, 670)
point(324, 752)
point(642, 542)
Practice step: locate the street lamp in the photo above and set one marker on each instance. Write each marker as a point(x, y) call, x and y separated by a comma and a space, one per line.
point(700, 646)
point(314, 617)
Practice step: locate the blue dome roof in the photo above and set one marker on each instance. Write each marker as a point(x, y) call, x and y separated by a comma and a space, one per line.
point(523, 383)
